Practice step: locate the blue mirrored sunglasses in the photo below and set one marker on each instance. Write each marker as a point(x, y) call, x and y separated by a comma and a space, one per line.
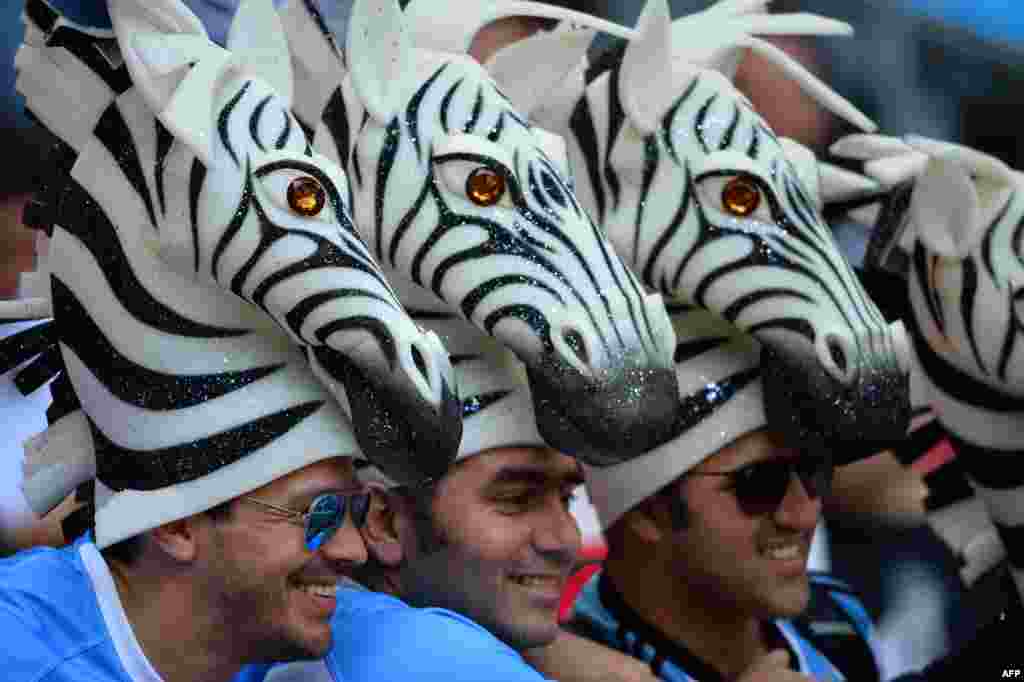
point(326, 514)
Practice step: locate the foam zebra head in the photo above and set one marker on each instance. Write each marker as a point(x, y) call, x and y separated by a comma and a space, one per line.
point(709, 206)
point(452, 190)
point(210, 294)
point(958, 214)
point(278, 233)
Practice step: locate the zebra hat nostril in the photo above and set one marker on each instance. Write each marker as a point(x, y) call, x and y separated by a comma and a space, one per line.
point(575, 341)
point(575, 348)
point(835, 349)
point(430, 369)
point(901, 345)
point(838, 356)
point(421, 363)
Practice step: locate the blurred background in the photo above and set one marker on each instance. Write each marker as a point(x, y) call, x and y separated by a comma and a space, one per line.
point(950, 69)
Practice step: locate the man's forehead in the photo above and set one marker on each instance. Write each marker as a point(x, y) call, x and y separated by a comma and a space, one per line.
point(750, 447)
point(529, 464)
point(328, 474)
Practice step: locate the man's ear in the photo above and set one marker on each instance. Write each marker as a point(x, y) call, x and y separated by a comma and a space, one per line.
point(381, 532)
point(650, 520)
point(178, 539)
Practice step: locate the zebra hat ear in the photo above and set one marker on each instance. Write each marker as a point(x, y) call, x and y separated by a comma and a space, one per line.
point(806, 165)
point(380, 56)
point(160, 40)
point(258, 44)
point(944, 208)
point(440, 26)
point(958, 197)
point(646, 74)
point(317, 62)
point(560, 51)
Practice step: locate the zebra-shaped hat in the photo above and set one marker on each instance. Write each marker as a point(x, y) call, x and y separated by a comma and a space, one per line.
point(721, 399)
point(217, 322)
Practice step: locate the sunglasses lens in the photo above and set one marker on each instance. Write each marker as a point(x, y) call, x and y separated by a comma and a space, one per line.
point(816, 475)
point(326, 514)
point(360, 503)
point(761, 487)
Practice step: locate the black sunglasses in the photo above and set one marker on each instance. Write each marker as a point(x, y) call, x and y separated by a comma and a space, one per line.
point(761, 486)
point(326, 514)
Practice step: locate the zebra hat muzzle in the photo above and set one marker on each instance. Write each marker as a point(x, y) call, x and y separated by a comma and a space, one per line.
point(862, 412)
point(586, 392)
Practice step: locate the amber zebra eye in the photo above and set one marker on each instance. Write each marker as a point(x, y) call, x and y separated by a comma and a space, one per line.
point(741, 197)
point(485, 187)
point(306, 196)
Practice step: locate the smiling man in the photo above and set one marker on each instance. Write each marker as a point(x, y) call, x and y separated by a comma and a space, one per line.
point(708, 538)
point(194, 598)
point(479, 557)
point(494, 540)
point(220, 502)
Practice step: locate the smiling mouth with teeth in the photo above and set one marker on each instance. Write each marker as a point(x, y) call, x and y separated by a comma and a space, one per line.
point(328, 591)
point(784, 552)
point(536, 581)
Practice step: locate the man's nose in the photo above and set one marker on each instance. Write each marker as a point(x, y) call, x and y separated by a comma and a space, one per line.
point(346, 546)
point(798, 509)
point(557, 533)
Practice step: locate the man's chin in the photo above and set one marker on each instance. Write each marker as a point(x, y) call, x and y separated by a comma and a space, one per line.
point(304, 644)
point(791, 601)
point(529, 635)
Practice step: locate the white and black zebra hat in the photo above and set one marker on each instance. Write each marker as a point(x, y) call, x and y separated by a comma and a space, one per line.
point(170, 396)
point(721, 399)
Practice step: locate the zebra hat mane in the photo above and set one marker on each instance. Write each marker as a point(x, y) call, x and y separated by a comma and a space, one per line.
point(716, 39)
point(721, 399)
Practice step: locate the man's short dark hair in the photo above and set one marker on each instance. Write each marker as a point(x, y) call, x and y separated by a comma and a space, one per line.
point(430, 536)
point(673, 495)
point(128, 551)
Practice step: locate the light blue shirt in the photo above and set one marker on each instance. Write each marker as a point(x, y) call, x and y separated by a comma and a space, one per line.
point(53, 625)
point(378, 637)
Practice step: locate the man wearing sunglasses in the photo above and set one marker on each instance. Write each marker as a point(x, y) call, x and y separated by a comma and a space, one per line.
point(220, 503)
point(708, 537)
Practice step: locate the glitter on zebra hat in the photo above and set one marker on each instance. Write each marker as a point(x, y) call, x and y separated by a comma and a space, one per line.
point(721, 399)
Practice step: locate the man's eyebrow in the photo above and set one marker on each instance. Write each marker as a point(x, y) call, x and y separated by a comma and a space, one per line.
point(537, 476)
point(306, 494)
